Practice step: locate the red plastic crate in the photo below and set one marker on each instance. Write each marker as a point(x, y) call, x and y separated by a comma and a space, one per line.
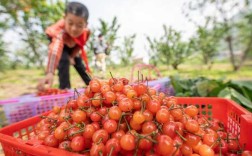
point(237, 119)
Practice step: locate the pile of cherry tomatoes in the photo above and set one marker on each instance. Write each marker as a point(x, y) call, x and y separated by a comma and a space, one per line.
point(114, 118)
point(51, 91)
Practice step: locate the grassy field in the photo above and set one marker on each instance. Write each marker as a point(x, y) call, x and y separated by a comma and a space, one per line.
point(23, 81)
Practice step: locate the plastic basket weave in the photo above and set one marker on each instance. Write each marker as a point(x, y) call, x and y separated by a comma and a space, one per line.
point(18, 109)
point(162, 85)
point(237, 120)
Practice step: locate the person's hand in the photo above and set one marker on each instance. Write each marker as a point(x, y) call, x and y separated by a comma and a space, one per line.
point(48, 79)
point(71, 59)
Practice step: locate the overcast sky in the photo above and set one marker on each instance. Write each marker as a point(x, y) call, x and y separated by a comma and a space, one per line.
point(143, 17)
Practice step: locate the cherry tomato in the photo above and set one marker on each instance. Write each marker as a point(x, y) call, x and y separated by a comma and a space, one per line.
point(78, 143)
point(127, 142)
point(51, 141)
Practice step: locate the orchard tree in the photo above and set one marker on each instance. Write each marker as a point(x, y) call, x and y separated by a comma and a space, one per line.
point(152, 51)
point(126, 49)
point(3, 52)
point(30, 18)
point(171, 50)
point(207, 43)
point(3, 56)
point(235, 18)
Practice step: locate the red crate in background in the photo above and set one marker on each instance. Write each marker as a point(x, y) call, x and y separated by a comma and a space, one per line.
point(237, 120)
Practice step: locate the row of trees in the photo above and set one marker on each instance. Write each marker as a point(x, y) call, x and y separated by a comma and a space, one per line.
point(228, 29)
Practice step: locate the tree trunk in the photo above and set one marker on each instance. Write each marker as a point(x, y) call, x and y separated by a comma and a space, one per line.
point(210, 65)
point(245, 54)
point(229, 41)
point(175, 66)
point(205, 60)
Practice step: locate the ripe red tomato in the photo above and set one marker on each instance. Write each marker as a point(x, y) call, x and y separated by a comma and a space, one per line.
point(113, 146)
point(100, 135)
point(110, 126)
point(205, 150)
point(51, 141)
point(164, 145)
point(247, 153)
point(127, 142)
point(115, 113)
point(79, 116)
point(78, 143)
point(98, 149)
point(125, 104)
point(65, 145)
point(88, 131)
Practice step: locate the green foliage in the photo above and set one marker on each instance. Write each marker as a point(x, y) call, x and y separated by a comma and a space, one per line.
point(170, 49)
point(233, 18)
point(238, 91)
point(152, 52)
point(31, 17)
point(3, 57)
point(126, 50)
point(109, 32)
point(206, 43)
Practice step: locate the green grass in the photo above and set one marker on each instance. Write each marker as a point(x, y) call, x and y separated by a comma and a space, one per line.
point(18, 82)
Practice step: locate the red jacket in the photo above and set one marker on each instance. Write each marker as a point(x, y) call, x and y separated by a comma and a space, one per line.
point(59, 38)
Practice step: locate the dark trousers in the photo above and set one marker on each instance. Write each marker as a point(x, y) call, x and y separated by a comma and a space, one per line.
point(64, 65)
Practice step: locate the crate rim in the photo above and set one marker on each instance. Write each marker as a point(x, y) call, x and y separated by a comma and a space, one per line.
point(44, 150)
point(238, 106)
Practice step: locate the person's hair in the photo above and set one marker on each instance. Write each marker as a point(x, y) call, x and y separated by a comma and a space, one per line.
point(77, 9)
point(100, 35)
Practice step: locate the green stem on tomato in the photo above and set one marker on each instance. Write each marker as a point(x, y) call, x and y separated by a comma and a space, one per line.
point(127, 123)
point(220, 152)
point(136, 150)
point(111, 150)
point(142, 108)
point(119, 122)
point(75, 90)
point(183, 138)
point(49, 118)
point(77, 132)
point(66, 118)
point(100, 153)
point(172, 107)
point(66, 105)
point(71, 126)
point(151, 140)
point(218, 140)
point(100, 140)
point(85, 151)
point(177, 148)
point(112, 77)
point(193, 133)
point(99, 114)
